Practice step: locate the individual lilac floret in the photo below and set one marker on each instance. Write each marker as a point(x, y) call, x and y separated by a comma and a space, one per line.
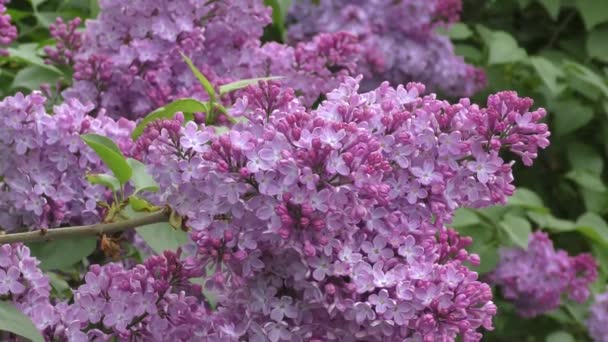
point(597, 323)
point(44, 162)
point(330, 223)
point(398, 40)
point(535, 279)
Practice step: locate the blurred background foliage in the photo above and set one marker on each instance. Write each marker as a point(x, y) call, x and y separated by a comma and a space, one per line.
point(554, 51)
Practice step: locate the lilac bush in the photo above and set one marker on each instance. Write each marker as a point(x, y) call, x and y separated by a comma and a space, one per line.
point(343, 204)
point(318, 206)
point(309, 225)
point(535, 279)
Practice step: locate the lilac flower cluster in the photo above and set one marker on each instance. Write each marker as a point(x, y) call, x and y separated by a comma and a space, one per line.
point(21, 281)
point(597, 323)
point(130, 62)
point(535, 279)
point(313, 67)
point(68, 40)
point(44, 163)
point(154, 301)
point(8, 32)
point(329, 224)
point(398, 38)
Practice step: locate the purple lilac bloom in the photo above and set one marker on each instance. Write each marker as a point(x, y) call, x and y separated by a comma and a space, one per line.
point(8, 32)
point(24, 283)
point(304, 226)
point(44, 163)
point(598, 318)
point(153, 301)
point(68, 41)
point(535, 279)
point(398, 38)
point(128, 60)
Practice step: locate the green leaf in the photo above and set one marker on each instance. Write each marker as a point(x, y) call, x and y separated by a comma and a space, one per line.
point(552, 7)
point(586, 179)
point(458, 31)
point(517, 228)
point(583, 156)
point(483, 245)
point(58, 284)
point(551, 223)
point(560, 336)
point(469, 52)
point(600, 253)
point(503, 48)
point(18, 15)
point(159, 236)
point(586, 75)
point(106, 180)
point(201, 78)
point(489, 257)
point(93, 8)
point(139, 204)
point(46, 18)
point(548, 72)
point(141, 179)
point(593, 12)
point(110, 154)
point(526, 198)
point(594, 227)
point(62, 253)
point(240, 84)
point(36, 3)
point(14, 321)
point(465, 217)
point(570, 115)
point(33, 76)
point(28, 53)
point(168, 111)
point(279, 13)
point(597, 44)
point(595, 201)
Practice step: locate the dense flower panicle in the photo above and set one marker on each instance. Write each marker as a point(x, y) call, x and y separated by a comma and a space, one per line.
point(312, 67)
point(8, 32)
point(329, 224)
point(21, 281)
point(597, 323)
point(68, 42)
point(44, 163)
point(130, 61)
point(535, 279)
point(153, 301)
point(398, 38)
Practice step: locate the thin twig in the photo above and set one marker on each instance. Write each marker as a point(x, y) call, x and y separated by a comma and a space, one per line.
point(560, 29)
point(94, 229)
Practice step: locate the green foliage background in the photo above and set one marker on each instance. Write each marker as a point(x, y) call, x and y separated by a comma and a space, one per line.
point(554, 51)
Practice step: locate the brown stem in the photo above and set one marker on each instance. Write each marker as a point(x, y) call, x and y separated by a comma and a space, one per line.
point(94, 229)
